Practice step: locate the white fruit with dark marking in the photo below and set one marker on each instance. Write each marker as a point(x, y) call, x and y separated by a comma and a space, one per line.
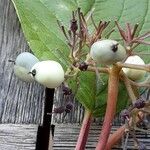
point(107, 52)
point(23, 64)
point(134, 74)
point(48, 73)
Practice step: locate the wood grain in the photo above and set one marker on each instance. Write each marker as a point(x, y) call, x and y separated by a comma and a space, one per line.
point(23, 137)
point(20, 102)
point(17, 137)
point(66, 136)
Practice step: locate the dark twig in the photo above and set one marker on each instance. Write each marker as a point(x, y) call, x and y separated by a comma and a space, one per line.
point(135, 29)
point(63, 30)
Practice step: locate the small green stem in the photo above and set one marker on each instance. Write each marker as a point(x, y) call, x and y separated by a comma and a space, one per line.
point(111, 107)
point(84, 131)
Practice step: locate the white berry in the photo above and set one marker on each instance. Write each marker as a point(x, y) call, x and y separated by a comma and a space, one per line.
point(23, 64)
point(107, 52)
point(134, 74)
point(48, 73)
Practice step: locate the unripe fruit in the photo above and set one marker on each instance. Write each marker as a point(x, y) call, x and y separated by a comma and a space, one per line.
point(134, 74)
point(48, 73)
point(107, 52)
point(23, 64)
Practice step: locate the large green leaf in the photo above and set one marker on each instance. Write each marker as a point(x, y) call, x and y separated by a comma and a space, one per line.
point(38, 20)
point(100, 104)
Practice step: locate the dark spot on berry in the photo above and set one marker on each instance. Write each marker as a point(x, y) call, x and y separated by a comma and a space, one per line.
point(114, 47)
point(83, 66)
point(33, 72)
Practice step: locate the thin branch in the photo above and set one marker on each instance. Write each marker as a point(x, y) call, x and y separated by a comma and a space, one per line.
point(141, 53)
point(134, 66)
point(63, 30)
point(109, 33)
point(140, 84)
point(129, 88)
point(89, 14)
point(122, 33)
point(126, 141)
point(144, 36)
point(141, 42)
point(129, 34)
point(134, 29)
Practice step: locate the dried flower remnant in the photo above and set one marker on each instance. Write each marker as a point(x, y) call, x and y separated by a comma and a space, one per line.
point(83, 66)
point(140, 103)
point(125, 115)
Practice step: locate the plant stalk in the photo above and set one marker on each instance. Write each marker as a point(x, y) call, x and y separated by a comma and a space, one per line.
point(117, 135)
point(111, 107)
point(84, 131)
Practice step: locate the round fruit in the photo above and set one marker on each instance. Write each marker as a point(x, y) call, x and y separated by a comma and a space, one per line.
point(23, 64)
point(48, 73)
point(107, 52)
point(134, 74)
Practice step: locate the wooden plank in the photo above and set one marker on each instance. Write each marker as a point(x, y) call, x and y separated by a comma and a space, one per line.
point(17, 137)
point(66, 136)
point(20, 102)
point(23, 137)
point(23, 103)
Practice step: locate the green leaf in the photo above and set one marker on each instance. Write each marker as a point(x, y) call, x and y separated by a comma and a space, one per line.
point(90, 89)
point(100, 106)
point(86, 91)
point(38, 20)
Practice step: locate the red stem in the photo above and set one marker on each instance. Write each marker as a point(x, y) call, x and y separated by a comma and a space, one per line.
point(115, 137)
point(111, 107)
point(84, 131)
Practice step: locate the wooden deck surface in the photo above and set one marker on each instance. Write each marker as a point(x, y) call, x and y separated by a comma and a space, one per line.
point(17, 137)
point(23, 137)
point(21, 104)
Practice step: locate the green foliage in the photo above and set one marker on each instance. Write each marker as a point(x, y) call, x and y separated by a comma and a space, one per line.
point(38, 20)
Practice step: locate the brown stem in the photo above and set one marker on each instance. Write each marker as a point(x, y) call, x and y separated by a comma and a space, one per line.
point(133, 66)
point(111, 107)
point(81, 143)
point(129, 32)
point(134, 30)
point(129, 88)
